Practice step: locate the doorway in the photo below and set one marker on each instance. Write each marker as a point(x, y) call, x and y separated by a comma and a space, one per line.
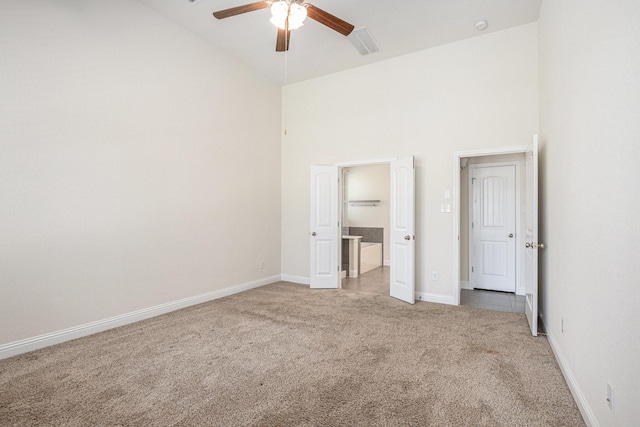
point(493, 229)
point(491, 202)
point(366, 193)
point(365, 227)
point(527, 245)
point(326, 228)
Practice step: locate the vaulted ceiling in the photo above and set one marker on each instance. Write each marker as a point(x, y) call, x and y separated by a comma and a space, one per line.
point(399, 26)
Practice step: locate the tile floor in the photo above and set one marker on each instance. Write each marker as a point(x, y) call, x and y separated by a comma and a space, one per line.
point(500, 301)
point(376, 281)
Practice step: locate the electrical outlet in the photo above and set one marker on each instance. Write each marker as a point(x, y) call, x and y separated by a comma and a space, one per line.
point(434, 275)
point(610, 397)
point(261, 264)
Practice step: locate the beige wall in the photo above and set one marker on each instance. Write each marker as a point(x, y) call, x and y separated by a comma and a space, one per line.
point(477, 93)
point(138, 165)
point(370, 182)
point(590, 135)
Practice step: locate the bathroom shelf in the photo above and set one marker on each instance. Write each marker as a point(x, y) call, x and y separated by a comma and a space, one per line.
point(364, 202)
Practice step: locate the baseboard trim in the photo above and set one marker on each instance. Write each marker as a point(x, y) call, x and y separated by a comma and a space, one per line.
point(295, 279)
point(57, 337)
point(587, 414)
point(437, 298)
point(464, 284)
point(387, 263)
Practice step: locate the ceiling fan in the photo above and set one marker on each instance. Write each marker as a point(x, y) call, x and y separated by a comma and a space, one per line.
point(288, 15)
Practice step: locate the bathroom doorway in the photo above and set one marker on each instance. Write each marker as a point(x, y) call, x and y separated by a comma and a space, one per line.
point(365, 228)
point(325, 233)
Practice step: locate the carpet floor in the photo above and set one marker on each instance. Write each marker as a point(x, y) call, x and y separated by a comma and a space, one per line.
point(285, 355)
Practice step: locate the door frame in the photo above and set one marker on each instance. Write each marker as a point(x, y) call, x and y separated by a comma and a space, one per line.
point(518, 211)
point(457, 156)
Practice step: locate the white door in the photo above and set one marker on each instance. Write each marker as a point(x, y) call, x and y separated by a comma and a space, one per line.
point(531, 238)
point(324, 231)
point(493, 228)
point(402, 233)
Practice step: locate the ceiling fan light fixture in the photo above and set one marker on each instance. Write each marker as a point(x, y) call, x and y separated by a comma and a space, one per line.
point(283, 10)
point(297, 15)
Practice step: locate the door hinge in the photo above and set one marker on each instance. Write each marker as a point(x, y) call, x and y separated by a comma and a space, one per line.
point(472, 269)
point(471, 224)
point(338, 267)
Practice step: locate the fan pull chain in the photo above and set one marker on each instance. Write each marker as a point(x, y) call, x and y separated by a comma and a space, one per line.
point(284, 90)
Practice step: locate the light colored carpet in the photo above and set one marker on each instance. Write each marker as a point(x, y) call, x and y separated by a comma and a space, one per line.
point(285, 355)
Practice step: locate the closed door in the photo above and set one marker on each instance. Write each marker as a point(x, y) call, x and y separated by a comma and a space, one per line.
point(493, 228)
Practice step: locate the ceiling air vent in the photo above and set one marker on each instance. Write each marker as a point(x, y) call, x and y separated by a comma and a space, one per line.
point(363, 41)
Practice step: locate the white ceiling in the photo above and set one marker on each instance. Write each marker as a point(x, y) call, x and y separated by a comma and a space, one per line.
point(399, 26)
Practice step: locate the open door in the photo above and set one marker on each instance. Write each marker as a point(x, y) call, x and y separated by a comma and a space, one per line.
point(324, 231)
point(402, 233)
point(531, 238)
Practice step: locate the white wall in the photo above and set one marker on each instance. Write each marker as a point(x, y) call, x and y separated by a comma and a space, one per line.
point(138, 165)
point(590, 135)
point(477, 93)
point(370, 182)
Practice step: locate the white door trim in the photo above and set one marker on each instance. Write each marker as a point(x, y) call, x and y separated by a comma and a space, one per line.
point(455, 285)
point(366, 162)
point(518, 264)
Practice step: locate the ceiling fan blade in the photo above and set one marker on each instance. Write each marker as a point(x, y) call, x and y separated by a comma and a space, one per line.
point(221, 14)
point(282, 42)
point(329, 20)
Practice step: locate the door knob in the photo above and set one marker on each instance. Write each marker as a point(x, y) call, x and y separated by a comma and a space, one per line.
point(534, 245)
point(510, 235)
point(407, 237)
point(313, 234)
